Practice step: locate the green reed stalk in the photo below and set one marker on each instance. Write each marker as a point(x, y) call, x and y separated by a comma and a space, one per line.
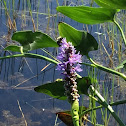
point(92, 101)
point(5, 6)
point(121, 31)
point(38, 13)
point(102, 111)
point(9, 8)
point(106, 119)
point(30, 11)
point(91, 4)
point(106, 105)
point(82, 2)
point(24, 17)
point(47, 29)
point(47, 52)
point(57, 2)
point(81, 110)
point(101, 106)
point(64, 2)
point(112, 92)
point(13, 5)
point(109, 115)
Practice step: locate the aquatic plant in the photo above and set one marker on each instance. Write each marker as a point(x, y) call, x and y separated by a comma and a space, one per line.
point(69, 64)
point(69, 59)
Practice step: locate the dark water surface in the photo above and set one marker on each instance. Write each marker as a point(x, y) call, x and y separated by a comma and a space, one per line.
point(19, 76)
point(15, 90)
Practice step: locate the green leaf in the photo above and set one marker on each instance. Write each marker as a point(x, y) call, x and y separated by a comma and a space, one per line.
point(83, 85)
point(33, 40)
point(115, 4)
point(13, 48)
point(56, 89)
point(83, 41)
point(88, 15)
point(122, 65)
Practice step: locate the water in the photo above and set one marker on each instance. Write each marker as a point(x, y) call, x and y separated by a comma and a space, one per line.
point(38, 109)
point(19, 76)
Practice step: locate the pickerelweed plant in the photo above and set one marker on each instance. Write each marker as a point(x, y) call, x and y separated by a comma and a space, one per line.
point(69, 64)
point(74, 44)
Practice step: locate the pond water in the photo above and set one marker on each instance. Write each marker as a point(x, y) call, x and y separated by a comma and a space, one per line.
point(20, 105)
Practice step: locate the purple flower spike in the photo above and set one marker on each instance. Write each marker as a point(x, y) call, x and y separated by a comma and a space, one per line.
point(69, 64)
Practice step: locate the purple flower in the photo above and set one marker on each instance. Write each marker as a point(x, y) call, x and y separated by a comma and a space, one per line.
point(69, 65)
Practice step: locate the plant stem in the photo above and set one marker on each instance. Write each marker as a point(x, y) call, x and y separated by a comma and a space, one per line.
point(30, 11)
point(47, 28)
point(107, 69)
point(57, 2)
point(30, 55)
point(101, 106)
point(106, 105)
point(121, 31)
point(38, 13)
point(74, 112)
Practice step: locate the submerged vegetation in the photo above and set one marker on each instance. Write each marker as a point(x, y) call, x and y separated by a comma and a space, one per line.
point(72, 44)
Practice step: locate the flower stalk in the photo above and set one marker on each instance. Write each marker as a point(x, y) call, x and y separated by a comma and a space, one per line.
point(69, 65)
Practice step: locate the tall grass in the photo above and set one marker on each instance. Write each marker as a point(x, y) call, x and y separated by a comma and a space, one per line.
point(30, 11)
point(38, 13)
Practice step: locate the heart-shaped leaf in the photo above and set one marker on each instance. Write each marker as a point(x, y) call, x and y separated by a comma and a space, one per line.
point(33, 40)
point(13, 48)
point(56, 89)
point(115, 4)
point(88, 15)
point(83, 41)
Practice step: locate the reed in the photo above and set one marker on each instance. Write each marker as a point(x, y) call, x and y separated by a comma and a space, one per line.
point(30, 11)
point(38, 14)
